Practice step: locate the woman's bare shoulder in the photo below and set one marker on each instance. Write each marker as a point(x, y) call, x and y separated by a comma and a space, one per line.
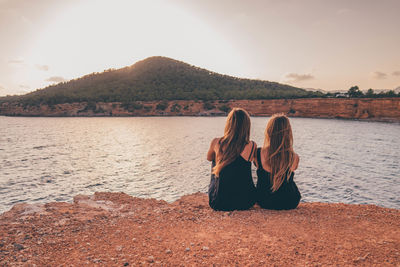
point(215, 141)
point(249, 151)
point(250, 145)
point(212, 150)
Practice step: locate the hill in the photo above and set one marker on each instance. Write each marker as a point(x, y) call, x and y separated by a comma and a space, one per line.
point(157, 78)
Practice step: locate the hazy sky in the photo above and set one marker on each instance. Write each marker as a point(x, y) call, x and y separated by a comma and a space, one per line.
point(327, 44)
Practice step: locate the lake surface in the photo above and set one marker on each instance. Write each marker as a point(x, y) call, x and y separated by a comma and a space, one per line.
point(54, 159)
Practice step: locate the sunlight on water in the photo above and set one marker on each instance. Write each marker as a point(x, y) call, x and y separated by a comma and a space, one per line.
point(54, 159)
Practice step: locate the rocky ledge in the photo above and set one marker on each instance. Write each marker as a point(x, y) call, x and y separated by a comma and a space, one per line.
point(115, 229)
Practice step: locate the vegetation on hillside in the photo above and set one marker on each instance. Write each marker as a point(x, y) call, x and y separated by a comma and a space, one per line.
point(355, 92)
point(158, 78)
point(161, 78)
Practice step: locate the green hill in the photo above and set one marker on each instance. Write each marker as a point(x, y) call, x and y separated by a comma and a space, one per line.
point(157, 78)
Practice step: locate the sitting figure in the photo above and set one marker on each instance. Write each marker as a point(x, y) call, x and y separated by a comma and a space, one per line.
point(231, 186)
point(276, 162)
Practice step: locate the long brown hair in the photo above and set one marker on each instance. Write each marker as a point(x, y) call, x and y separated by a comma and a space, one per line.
point(236, 136)
point(278, 144)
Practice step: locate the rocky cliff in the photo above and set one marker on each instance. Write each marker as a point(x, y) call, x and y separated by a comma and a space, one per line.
point(114, 229)
point(378, 109)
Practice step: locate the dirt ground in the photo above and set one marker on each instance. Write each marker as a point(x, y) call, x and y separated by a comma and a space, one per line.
point(114, 229)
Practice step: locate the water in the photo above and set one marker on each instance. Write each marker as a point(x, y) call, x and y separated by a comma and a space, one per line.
point(54, 159)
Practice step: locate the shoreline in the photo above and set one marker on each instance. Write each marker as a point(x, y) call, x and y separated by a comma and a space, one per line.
point(115, 229)
point(368, 109)
point(71, 201)
point(200, 116)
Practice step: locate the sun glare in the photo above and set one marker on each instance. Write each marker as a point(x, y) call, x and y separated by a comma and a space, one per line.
point(98, 35)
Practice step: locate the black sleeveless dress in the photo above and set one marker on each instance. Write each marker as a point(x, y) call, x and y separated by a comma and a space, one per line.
point(234, 188)
point(285, 198)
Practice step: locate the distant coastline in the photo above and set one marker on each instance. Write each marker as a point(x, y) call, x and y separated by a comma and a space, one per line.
point(373, 109)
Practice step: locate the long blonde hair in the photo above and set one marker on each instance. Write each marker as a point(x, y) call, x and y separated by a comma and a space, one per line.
point(236, 136)
point(278, 144)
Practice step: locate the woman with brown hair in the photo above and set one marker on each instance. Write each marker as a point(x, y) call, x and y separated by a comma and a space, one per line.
point(276, 162)
point(231, 186)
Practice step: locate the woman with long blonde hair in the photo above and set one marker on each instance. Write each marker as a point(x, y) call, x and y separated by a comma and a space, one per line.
point(231, 186)
point(276, 162)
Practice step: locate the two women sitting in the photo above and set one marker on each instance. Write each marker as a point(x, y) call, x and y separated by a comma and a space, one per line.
point(231, 186)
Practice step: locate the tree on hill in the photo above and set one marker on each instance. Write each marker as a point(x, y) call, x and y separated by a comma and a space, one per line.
point(370, 93)
point(354, 91)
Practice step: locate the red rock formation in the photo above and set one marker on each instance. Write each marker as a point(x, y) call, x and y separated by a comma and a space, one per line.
point(114, 229)
point(378, 109)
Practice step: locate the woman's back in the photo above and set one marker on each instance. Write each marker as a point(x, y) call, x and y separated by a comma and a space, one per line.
point(286, 197)
point(233, 189)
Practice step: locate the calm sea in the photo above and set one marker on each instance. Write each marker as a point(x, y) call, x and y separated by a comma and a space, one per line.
point(54, 159)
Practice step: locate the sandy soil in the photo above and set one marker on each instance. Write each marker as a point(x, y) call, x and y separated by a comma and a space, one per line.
point(114, 229)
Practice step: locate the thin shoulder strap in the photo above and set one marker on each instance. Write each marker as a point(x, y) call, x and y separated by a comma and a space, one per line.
point(259, 157)
point(252, 149)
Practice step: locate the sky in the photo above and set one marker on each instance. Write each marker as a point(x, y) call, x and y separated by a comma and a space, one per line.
point(321, 44)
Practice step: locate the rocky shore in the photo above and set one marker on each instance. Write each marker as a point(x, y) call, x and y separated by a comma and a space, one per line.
point(373, 109)
point(114, 229)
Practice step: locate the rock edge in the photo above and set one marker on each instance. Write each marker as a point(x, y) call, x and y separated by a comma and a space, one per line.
point(115, 229)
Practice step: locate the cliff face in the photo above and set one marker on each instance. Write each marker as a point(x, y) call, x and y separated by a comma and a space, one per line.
point(114, 229)
point(381, 109)
point(384, 109)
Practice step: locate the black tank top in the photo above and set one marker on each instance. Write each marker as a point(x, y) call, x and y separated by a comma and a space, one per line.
point(286, 197)
point(234, 188)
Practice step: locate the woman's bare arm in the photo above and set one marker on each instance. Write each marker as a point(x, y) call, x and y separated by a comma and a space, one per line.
point(295, 163)
point(255, 161)
point(211, 151)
